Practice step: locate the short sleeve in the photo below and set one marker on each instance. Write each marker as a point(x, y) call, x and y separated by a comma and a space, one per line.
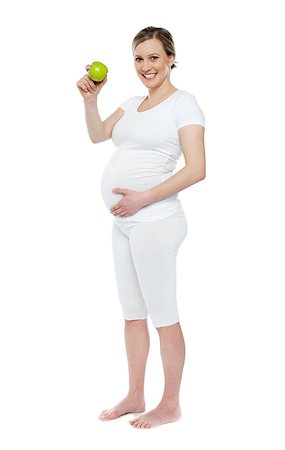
point(126, 104)
point(188, 112)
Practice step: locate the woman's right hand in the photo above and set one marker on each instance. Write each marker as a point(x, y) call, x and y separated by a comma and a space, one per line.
point(88, 88)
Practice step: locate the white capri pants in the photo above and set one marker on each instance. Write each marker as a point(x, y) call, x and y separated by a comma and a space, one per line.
point(144, 255)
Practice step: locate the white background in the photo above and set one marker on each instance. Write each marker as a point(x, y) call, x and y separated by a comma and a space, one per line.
point(62, 347)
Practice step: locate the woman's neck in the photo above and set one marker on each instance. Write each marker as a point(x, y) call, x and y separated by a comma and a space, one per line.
point(162, 91)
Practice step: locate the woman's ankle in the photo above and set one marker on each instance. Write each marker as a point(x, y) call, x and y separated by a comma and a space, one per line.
point(136, 394)
point(170, 403)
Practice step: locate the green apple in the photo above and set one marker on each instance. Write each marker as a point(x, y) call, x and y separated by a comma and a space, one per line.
point(97, 71)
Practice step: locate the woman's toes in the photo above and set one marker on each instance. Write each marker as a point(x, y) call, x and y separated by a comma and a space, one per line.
point(140, 424)
point(104, 414)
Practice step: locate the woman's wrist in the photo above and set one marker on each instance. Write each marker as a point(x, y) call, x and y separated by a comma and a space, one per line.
point(146, 197)
point(89, 101)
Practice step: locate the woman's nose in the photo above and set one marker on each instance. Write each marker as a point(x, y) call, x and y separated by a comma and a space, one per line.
point(145, 66)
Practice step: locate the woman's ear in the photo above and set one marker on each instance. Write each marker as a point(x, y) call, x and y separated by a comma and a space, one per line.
point(171, 60)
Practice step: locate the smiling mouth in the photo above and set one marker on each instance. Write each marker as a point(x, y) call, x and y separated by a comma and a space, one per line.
point(149, 76)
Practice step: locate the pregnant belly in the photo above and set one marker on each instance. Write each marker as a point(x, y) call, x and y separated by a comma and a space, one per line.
point(131, 170)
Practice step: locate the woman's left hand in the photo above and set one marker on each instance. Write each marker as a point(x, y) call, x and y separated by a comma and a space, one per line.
point(131, 203)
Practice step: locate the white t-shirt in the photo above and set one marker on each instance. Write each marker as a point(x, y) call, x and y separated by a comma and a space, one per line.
point(147, 151)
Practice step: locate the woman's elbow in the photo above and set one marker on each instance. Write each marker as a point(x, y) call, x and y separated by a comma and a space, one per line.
point(201, 174)
point(98, 140)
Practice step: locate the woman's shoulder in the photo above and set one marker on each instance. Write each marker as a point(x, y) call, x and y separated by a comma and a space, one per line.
point(187, 109)
point(128, 102)
point(186, 98)
point(182, 93)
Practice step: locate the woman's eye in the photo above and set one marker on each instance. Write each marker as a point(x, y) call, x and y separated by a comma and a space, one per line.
point(153, 57)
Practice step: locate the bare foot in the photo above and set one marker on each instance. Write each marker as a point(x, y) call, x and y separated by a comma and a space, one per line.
point(128, 405)
point(157, 416)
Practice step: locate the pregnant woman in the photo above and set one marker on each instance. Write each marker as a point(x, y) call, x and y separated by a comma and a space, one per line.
point(149, 224)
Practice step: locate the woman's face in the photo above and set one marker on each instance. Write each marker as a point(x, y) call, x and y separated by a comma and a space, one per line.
point(150, 59)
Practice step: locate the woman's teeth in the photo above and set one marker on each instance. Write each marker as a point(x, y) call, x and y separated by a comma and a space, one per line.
point(150, 76)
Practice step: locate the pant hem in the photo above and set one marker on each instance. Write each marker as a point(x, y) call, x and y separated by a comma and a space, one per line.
point(167, 324)
point(135, 318)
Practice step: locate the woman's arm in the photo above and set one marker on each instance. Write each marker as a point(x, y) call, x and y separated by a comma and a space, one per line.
point(191, 139)
point(94, 122)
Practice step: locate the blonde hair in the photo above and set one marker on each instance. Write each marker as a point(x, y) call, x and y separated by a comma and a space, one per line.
point(163, 35)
